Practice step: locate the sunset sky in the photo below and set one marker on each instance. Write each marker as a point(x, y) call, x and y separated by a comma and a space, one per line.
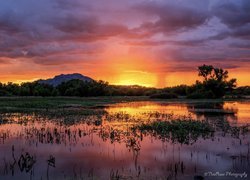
point(146, 42)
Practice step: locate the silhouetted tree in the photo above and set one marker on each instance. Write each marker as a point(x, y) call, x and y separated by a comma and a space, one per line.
point(214, 85)
point(205, 71)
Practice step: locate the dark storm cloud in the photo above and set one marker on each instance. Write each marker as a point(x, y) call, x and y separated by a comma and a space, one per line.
point(241, 32)
point(242, 45)
point(173, 16)
point(50, 49)
point(145, 43)
point(85, 28)
point(56, 60)
point(203, 53)
point(65, 49)
point(233, 14)
point(198, 42)
point(29, 29)
point(193, 67)
point(48, 29)
point(8, 23)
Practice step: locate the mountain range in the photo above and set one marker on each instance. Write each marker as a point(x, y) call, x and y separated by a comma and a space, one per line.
point(64, 78)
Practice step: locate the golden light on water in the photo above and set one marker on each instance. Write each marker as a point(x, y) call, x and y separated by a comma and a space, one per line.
point(241, 109)
point(142, 108)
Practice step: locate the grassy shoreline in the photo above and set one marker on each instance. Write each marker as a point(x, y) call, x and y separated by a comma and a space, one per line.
point(62, 102)
point(89, 102)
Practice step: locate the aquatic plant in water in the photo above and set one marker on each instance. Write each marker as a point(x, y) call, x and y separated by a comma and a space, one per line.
point(181, 131)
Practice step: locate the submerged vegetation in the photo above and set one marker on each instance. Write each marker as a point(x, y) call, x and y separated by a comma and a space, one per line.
point(187, 131)
point(215, 84)
point(87, 130)
point(181, 131)
point(9, 104)
point(120, 125)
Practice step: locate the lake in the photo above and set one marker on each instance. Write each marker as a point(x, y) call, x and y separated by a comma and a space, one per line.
point(105, 143)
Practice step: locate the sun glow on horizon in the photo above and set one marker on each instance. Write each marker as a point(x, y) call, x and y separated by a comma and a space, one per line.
point(136, 78)
point(129, 70)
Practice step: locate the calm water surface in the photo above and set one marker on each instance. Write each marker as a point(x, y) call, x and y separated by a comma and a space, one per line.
point(101, 144)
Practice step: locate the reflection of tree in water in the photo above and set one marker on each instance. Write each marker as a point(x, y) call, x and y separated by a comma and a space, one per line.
point(25, 163)
point(51, 163)
point(120, 127)
point(56, 131)
point(213, 112)
point(222, 119)
point(212, 109)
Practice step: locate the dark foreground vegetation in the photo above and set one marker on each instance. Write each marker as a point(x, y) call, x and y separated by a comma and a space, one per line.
point(182, 131)
point(12, 104)
point(186, 131)
point(214, 84)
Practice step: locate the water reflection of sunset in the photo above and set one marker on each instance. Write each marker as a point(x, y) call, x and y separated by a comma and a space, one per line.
point(138, 108)
point(243, 111)
point(108, 137)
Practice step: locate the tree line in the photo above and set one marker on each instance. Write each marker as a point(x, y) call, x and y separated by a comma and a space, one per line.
point(73, 87)
point(214, 84)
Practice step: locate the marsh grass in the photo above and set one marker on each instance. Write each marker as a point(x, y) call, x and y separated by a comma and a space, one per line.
point(181, 131)
point(61, 102)
point(187, 131)
point(118, 126)
point(69, 126)
point(68, 122)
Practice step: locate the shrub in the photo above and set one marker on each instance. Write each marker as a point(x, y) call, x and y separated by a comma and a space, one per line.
point(164, 96)
point(201, 95)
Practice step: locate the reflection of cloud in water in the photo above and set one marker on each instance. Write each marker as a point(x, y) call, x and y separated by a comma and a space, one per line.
point(89, 150)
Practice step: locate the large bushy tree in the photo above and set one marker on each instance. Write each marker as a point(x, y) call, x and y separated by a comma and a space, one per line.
point(215, 83)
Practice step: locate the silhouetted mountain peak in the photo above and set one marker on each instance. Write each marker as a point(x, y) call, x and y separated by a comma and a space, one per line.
point(58, 79)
